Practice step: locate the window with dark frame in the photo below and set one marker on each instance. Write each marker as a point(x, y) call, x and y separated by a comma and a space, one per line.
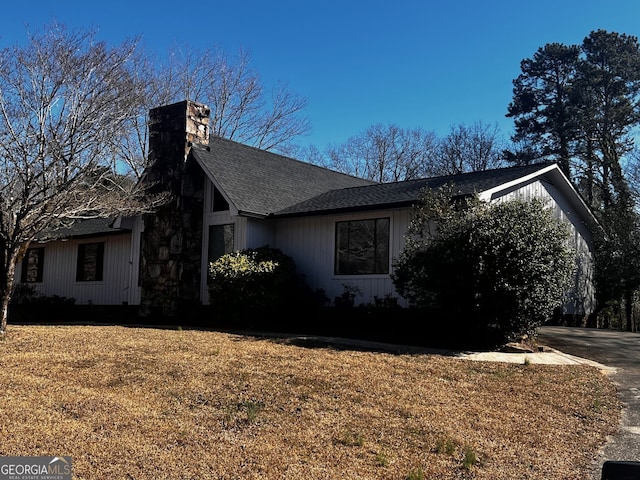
point(221, 241)
point(32, 266)
point(90, 262)
point(218, 202)
point(362, 247)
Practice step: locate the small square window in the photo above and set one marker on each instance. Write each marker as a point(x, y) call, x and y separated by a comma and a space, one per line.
point(362, 247)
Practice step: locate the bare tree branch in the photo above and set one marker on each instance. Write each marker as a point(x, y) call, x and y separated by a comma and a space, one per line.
point(386, 153)
point(469, 149)
point(64, 98)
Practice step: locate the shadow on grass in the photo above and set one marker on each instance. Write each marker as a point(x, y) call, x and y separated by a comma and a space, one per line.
point(370, 329)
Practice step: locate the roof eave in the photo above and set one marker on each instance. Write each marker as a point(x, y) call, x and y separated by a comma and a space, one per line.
point(488, 194)
point(344, 210)
point(564, 184)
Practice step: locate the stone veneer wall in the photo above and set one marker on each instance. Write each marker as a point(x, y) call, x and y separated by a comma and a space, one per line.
point(171, 241)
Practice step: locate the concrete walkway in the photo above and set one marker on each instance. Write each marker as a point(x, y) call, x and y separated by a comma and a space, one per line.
point(548, 357)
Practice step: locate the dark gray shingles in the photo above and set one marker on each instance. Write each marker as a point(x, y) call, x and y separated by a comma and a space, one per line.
point(81, 228)
point(405, 193)
point(261, 182)
point(264, 183)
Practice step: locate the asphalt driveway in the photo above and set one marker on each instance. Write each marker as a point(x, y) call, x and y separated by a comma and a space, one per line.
point(620, 350)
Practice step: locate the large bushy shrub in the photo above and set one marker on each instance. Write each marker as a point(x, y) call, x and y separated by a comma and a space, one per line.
point(255, 283)
point(503, 266)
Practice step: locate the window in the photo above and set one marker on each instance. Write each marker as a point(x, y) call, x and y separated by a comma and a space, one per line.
point(90, 262)
point(32, 265)
point(220, 241)
point(362, 247)
point(218, 202)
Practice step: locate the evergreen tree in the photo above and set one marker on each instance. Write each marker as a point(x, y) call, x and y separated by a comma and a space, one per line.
point(542, 107)
point(579, 106)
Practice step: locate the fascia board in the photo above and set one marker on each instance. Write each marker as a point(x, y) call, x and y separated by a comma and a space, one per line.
point(488, 194)
point(560, 181)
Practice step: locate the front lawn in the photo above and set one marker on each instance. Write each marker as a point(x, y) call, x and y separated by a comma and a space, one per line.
point(144, 403)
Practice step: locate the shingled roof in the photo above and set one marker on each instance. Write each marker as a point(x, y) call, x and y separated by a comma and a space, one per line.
point(267, 184)
point(400, 194)
point(82, 228)
point(260, 182)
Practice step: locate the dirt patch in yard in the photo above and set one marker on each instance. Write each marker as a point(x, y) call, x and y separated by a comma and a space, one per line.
point(148, 403)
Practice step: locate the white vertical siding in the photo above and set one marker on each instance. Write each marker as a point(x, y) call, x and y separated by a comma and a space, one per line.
point(259, 233)
point(581, 297)
point(134, 261)
point(217, 218)
point(310, 241)
point(59, 271)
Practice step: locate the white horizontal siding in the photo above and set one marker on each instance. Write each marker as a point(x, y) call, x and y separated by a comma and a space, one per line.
point(59, 271)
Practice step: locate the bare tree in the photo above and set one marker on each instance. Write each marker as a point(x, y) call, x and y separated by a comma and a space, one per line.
point(469, 149)
point(64, 97)
point(242, 109)
point(385, 153)
point(310, 154)
point(129, 148)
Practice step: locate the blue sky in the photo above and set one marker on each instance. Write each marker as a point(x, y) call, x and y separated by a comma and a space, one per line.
point(410, 63)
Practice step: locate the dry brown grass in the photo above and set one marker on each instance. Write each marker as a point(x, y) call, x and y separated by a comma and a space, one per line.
point(171, 404)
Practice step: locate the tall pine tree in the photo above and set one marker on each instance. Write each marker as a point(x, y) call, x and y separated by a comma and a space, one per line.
point(578, 106)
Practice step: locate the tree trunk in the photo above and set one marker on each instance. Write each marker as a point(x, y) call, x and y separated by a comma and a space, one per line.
point(4, 310)
point(9, 257)
point(628, 309)
point(6, 289)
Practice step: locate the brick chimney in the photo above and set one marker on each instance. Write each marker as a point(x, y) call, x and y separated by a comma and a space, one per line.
point(172, 236)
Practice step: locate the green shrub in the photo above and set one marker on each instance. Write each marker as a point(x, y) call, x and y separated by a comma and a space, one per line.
point(503, 266)
point(347, 298)
point(24, 293)
point(255, 282)
point(27, 304)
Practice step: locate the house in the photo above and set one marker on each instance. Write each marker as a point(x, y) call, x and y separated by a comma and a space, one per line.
point(228, 196)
